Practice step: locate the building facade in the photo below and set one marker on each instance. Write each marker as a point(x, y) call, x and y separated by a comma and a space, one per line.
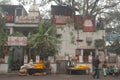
point(18, 20)
point(80, 36)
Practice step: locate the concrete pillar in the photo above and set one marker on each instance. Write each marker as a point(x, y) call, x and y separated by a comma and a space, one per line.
point(90, 57)
point(6, 58)
point(37, 58)
point(53, 68)
point(11, 30)
point(25, 59)
point(3, 68)
point(81, 56)
point(96, 52)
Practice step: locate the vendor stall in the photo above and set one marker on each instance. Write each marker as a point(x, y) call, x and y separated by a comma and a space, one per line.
point(38, 69)
point(79, 69)
point(33, 69)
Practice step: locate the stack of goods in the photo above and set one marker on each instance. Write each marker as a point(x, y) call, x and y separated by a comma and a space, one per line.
point(82, 66)
point(23, 71)
point(23, 68)
point(39, 65)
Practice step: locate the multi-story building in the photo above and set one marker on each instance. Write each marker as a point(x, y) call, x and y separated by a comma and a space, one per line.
point(18, 20)
point(79, 36)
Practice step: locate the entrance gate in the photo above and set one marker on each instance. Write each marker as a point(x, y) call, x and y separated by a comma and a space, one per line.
point(62, 66)
point(16, 58)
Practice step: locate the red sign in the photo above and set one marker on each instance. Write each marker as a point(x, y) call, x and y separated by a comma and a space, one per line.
point(17, 41)
point(88, 25)
point(9, 18)
point(61, 20)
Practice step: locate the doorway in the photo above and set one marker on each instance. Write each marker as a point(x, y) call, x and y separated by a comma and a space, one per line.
point(16, 58)
point(62, 66)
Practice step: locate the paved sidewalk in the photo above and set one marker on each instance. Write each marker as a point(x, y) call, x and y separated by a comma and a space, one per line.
point(15, 76)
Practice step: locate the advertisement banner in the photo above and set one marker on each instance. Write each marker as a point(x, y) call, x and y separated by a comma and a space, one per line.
point(89, 25)
point(26, 19)
point(17, 41)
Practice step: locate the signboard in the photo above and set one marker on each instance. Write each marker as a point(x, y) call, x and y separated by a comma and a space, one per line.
point(88, 25)
point(26, 19)
point(61, 20)
point(17, 41)
point(32, 17)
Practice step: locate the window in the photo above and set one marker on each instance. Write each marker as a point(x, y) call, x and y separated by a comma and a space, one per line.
point(18, 12)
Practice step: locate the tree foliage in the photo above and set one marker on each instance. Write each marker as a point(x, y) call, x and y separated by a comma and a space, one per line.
point(45, 42)
point(114, 47)
point(86, 7)
point(3, 35)
point(100, 43)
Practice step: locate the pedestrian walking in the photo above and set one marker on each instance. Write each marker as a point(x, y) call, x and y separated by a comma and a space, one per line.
point(104, 67)
point(96, 63)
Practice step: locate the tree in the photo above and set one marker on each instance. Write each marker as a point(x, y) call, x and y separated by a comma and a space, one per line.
point(100, 43)
point(86, 7)
point(44, 41)
point(106, 9)
point(3, 35)
point(114, 47)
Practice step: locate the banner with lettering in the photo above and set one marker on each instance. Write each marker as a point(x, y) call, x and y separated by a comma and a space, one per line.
point(17, 41)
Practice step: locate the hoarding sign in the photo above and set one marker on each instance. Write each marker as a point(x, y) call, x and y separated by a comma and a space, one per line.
point(61, 20)
point(88, 25)
point(17, 41)
point(26, 19)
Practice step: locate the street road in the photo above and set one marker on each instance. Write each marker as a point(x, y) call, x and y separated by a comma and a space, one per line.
point(54, 77)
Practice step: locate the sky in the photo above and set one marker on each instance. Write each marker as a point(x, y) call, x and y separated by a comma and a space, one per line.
point(42, 9)
point(14, 1)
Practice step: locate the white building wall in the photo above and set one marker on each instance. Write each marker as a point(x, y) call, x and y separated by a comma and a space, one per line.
point(67, 47)
point(3, 68)
point(99, 34)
